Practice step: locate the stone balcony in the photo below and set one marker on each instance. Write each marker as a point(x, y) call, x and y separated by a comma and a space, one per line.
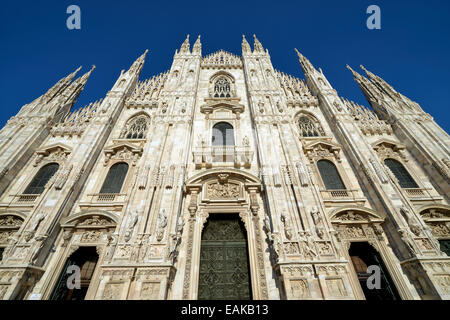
point(208, 156)
point(116, 200)
point(342, 195)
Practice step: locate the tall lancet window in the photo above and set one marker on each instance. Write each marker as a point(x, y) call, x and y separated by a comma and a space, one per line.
point(404, 178)
point(330, 175)
point(309, 127)
point(37, 185)
point(222, 88)
point(115, 178)
point(136, 128)
point(223, 134)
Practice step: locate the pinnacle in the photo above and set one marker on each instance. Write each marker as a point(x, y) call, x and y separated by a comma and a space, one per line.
point(362, 67)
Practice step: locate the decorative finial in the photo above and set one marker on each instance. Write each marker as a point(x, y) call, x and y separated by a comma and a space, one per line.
point(349, 68)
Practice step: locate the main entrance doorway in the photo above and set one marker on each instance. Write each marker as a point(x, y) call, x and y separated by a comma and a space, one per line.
point(224, 264)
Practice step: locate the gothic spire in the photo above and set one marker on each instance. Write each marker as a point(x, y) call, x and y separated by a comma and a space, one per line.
point(197, 46)
point(381, 84)
point(257, 46)
point(185, 47)
point(138, 64)
point(369, 90)
point(245, 46)
point(70, 95)
point(304, 62)
point(60, 86)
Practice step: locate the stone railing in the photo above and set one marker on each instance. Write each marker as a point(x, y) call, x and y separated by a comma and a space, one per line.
point(209, 155)
point(417, 192)
point(107, 197)
point(339, 194)
point(27, 198)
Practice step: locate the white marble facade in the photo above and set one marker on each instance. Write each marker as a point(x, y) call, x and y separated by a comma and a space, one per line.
point(147, 235)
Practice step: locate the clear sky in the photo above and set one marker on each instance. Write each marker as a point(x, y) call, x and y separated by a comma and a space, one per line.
point(411, 51)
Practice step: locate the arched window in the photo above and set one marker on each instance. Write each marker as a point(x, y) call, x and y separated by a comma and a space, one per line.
point(330, 176)
point(399, 171)
point(223, 134)
point(136, 128)
point(222, 88)
point(309, 127)
point(37, 185)
point(115, 178)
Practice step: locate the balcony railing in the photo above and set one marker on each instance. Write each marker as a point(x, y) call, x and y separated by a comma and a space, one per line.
point(27, 198)
point(107, 197)
point(208, 155)
point(415, 192)
point(339, 194)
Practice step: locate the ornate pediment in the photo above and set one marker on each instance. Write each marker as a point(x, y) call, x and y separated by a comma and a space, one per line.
point(435, 213)
point(10, 221)
point(355, 215)
point(90, 220)
point(386, 148)
point(125, 151)
point(231, 104)
point(322, 148)
point(234, 174)
point(55, 152)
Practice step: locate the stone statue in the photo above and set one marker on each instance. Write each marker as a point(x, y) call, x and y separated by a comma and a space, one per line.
point(161, 224)
point(287, 226)
point(245, 142)
point(131, 223)
point(36, 221)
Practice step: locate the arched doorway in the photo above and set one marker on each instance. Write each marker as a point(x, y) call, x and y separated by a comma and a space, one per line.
point(86, 259)
point(224, 260)
point(364, 255)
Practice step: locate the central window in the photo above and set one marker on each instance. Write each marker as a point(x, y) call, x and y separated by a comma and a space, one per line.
point(223, 134)
point(309, 127)
point(222, 88)
point(136, 128)
point(330, 175)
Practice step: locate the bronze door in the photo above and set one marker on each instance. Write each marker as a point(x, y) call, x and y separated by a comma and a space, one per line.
point(224, 265)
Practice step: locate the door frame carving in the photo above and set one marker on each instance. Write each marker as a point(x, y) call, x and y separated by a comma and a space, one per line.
point(246, 204)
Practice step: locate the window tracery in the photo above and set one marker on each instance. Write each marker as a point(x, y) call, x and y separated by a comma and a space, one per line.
point(309, 127)
point(136, 128)
point(222, 88)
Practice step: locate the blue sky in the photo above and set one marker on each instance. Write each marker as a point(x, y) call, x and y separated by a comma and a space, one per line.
point(411, 51)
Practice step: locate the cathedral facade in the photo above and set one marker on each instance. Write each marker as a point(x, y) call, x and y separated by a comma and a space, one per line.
point(224, 178)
